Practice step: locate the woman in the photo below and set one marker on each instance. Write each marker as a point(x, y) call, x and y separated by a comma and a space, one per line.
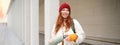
point(66, 27)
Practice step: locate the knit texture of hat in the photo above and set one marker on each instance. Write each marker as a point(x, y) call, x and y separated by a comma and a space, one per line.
point(64, 5)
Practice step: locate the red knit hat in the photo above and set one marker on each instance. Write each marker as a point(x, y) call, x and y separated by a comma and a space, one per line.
point(64, 5)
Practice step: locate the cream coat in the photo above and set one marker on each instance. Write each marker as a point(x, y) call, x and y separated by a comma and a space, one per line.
point(79, 32)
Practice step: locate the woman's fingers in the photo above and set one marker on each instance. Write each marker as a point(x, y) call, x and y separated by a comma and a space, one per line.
point(50, 40)
point(67, 38)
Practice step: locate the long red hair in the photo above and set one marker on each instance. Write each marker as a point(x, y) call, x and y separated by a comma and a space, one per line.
point(60, 21)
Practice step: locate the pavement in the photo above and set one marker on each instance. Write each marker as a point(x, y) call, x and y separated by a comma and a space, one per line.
point(87, 41)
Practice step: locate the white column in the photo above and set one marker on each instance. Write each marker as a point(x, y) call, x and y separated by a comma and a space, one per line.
point(23, 20)
point(34, 22)
point(31, 22)
point(27, 22)
point(51, 13)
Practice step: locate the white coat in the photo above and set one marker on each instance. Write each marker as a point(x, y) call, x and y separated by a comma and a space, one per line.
point(79, 31)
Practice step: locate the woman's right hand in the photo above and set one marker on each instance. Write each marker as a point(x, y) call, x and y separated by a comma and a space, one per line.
point(50, 41)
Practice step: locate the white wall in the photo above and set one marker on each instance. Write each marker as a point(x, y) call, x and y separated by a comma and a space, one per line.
point(23, 20)
point(16, 18)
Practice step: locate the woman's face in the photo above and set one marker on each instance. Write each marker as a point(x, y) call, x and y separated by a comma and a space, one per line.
point(65, 12)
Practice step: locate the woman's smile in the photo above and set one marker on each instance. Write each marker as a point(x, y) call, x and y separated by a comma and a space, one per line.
point(65, 12)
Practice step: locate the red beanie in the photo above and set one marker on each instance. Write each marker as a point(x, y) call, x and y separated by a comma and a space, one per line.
point(64, 5)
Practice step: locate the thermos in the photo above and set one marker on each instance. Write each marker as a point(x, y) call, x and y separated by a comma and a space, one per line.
point(60, 38)
point(57, 40)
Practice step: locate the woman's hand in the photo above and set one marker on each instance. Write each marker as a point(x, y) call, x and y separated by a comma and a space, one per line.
point(50, 41)
point(67, 38)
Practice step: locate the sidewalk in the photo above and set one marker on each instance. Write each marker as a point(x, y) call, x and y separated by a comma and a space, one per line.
point(89, 41)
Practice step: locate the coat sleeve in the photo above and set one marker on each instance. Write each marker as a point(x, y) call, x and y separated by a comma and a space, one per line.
point(53, 35)
point(53, 32)
point(79, 31)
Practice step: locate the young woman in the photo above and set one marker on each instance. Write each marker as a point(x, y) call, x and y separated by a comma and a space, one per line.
point(66, 27)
